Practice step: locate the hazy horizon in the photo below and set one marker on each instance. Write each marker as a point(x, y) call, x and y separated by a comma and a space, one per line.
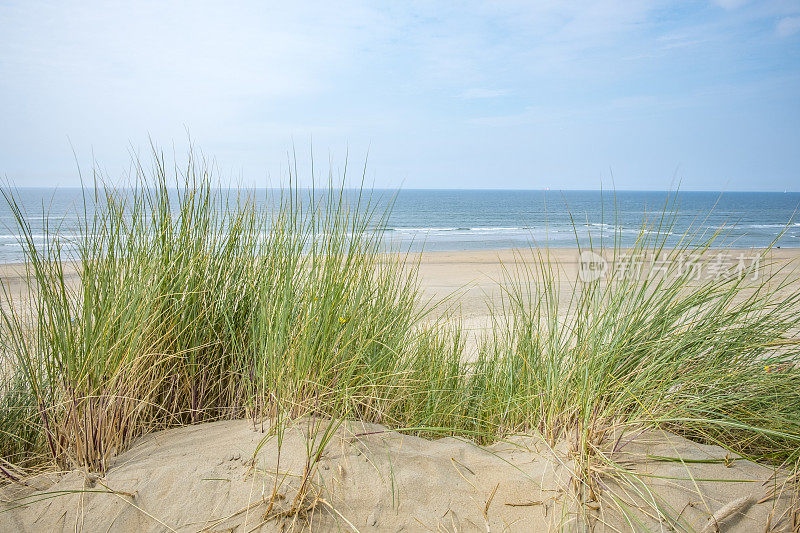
point(433, 189)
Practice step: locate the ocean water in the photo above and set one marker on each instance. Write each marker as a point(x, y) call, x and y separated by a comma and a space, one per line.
point(493, 219)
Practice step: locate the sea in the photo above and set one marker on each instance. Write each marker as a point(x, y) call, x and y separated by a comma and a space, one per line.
point(450, 220)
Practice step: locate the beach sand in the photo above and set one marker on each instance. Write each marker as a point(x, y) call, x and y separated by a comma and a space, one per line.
point(474, 276)
point(205, 478)
point(219, 476)
point(478, 277)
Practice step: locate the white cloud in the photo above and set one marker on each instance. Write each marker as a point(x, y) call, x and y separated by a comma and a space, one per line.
point(788, 26)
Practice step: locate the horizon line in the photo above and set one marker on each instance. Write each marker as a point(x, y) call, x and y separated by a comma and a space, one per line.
point(432, 189)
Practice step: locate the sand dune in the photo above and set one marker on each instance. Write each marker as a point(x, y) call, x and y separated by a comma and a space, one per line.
point(211, 478)
point(222, 476)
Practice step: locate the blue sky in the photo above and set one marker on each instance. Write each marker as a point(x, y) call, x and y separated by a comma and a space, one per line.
point(451, 95)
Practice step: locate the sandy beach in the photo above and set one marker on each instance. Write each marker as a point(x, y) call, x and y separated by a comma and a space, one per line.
point(477, 278)
point(468, 282)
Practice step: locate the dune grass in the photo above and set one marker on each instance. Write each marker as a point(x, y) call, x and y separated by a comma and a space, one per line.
point(713, 358)
point(196, 305)
point(193, 304)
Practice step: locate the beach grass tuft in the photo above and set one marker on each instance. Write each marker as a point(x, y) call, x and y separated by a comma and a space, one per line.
point(191, 303)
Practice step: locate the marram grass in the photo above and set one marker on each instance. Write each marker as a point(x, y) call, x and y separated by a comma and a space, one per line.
point(192, 304)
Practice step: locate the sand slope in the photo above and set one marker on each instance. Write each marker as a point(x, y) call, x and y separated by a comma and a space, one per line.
point(203, 478)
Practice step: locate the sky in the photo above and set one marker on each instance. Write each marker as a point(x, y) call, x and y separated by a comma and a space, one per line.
point(503, 94)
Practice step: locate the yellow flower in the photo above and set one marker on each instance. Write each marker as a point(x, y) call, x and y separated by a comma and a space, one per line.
point(344, 319)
